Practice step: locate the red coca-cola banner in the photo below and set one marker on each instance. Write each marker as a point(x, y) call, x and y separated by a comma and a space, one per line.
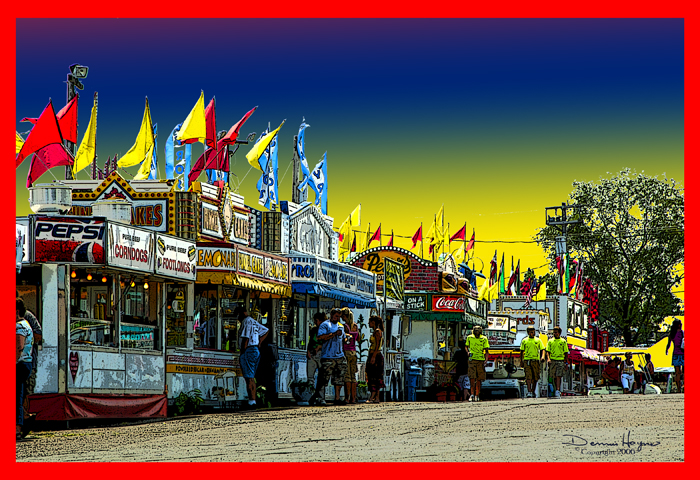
point(448, 303)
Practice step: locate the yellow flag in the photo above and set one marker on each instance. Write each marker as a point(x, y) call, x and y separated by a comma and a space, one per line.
point(145, 169)
point(260, 147)
point(541, 295)
point(440, 220)
point(355, 216)
point(86, 151)
point(493, 292)
point(345, 231)
point(20, 142)
point(144, 142)
point(484, 290)
point(195, 125)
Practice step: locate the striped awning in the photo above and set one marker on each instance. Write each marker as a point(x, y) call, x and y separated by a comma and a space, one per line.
point(352, 299)
point(230, 278)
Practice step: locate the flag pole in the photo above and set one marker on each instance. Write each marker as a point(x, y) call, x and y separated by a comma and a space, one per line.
point(421, 239)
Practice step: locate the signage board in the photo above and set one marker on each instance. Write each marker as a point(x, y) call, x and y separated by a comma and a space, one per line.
point(448, 303)
point(216, 259)
point(210, 220)
point(416, 302)
point(21, 242)
point(130, 248)
point(498, 323)
point(374, 262)
point(175, 257)
point(310, 233)
point(68, 240)
point(240, 231)
point(277, 269)
point(522, 319)
point(333, 274)
point(250, 263)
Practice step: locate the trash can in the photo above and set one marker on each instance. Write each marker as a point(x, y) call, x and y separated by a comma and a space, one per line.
point(413, 380)
point(428, 375)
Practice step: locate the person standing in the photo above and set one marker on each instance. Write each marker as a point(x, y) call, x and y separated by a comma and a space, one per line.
point(350, 351)
point(313, 349)
point(557, 356)
point(531, 354)
point(461, 356)
point(333, 364)
point(649, 369)
point(375, 360)
point(30, 384)
point(627, 374)
point(24, 345)
point(252, 334)
point(676, 338)
point(478, 346)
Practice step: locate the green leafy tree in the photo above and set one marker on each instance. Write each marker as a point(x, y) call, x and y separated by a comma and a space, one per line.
point(631, 241)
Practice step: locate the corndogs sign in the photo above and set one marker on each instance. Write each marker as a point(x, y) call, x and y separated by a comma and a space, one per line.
point(130, 248)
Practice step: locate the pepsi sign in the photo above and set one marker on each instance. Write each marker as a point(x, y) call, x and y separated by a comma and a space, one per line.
point(69, 240)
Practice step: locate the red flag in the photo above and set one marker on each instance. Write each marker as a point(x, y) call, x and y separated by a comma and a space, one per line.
point(67, 120)
point(470, 245)
point(210, 119)
point(377, 236)
point(218, 160)
point(354, 243)
point(340, 237)
point(233, 132)
point(50, 156)
point(418, 236)
point(460, 235)
point(514, 277)
point(391, 240)
point(198, 166)
point(45, 132)
point(494, 267)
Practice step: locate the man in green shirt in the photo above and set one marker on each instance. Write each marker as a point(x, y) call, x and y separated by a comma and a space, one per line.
point(557, 355)
point(478, 351)
point(531, 354)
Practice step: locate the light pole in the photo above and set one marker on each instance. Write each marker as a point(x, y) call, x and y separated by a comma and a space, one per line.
point(77, 72)
point(560, 218)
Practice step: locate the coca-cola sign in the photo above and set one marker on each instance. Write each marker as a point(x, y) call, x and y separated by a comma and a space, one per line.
point(448, 303)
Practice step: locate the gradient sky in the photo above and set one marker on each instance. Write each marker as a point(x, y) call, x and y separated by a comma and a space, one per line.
point(494, 118)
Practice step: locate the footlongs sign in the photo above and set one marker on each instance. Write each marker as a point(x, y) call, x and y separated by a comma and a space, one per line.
point(448, 303)
point(68, 240)
point(130, 248)
point(175, 257)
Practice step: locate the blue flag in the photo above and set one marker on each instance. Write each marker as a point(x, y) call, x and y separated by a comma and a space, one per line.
point(170, 152)
point(264, 161)
point(319, 184)
point(302, 156)
point(182, 167)
point(153, 175)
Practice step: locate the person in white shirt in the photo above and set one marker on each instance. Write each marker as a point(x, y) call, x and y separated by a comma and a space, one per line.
point(252, 335)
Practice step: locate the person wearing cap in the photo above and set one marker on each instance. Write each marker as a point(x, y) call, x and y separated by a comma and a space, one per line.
point(627, 374)
point(531, 354)
point(252, 335)
point(478, 346)
point(557, 352)
point(333, 363)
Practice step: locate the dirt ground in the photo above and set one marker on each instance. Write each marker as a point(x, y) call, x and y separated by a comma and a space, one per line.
point(614, 428)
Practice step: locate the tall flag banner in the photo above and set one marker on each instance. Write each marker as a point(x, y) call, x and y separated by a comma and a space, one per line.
point(531, 292)
point(45, 132)
point(319, 184)
point(579, 281)
point(483, 290)
point(502, 276)
point(19, 142)
point(67, 120)
point(460, 235)
point(571, 284)
point(233, 132)
point(194, 128)
point(263, 161)
point(153, 174)
point(390, 243)
point(355, 216)
point(182, 168)
point(377, 236)
point(494, 268)
point(514, 277)
point(541, 294)
point(470, 245)
point(145, 168)
point(418, 236)
point(53, 155)
point(560, 271)
point(210, 124)
point(170, 152)
point(353, 248)
point(259, 148)
point(86, 150)
point(267, 185)
point(144, 141)
point(302, 155)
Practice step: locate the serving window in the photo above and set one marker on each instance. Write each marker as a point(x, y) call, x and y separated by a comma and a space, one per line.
point(92, 309)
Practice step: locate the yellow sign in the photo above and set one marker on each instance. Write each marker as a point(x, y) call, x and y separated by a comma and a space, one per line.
point(197, 369)
point(374, 262)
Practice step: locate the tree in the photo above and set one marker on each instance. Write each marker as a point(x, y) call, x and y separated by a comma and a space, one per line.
point(631, 242)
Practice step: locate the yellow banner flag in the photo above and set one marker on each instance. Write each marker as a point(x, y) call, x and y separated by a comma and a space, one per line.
point(195, 125)
point(144, 142)
point(541, 295)
point(483, 290)
point(260, 147)
point(355, 216)
point(20, 142)
point(86, 151)
point(145, 169)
